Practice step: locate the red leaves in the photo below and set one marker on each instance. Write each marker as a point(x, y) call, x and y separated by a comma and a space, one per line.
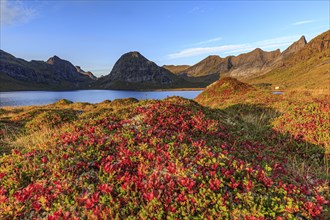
point(187, 182)
point(60, 215)
point(44, 159)
point(36, 206)
point(214, 184)
point(233, 184)
point(92, 201)
point(248, 186)
point(3, 197)
point(105, 188)
point(2, 175)
point(149, 196)
point(181, 198)
point(321, 200)
point(313, 209)
point(165, 158)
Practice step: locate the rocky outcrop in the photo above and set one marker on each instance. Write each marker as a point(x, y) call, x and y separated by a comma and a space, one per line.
point(89, 73)
point(295, 47)
point(319, 44)
point(300, 51)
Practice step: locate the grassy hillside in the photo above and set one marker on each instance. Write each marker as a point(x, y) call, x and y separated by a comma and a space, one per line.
point(9, 84)
point(307, 69)
point(176, 69)
point(169, 159)
point(223, 91)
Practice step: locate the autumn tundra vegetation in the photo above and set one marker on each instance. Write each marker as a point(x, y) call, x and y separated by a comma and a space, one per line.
point(235, 152)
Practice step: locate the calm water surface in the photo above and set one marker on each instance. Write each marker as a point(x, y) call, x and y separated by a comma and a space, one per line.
point(278, 93)
point(22, 98)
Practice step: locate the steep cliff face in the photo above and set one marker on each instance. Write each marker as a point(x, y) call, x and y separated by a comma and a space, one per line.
point(133, 70)
point(89, 73)
point(295, 47)
point(53, 74)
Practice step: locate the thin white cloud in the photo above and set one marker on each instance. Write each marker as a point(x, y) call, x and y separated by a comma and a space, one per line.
point(216, 39)
point(205, 50)
point(235, 48)
point(302, 22)
point(194, 9)
point(14, 12)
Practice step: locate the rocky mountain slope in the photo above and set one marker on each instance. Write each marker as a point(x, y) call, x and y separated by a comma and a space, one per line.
point(210, 65)
point(252, 63)
point(89, 73)
point(19, 74)
point(307, 68)
point(134, 71)
point(295, 47)
point(243, 66)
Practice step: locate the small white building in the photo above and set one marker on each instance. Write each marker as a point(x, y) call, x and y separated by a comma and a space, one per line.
point(277, 87)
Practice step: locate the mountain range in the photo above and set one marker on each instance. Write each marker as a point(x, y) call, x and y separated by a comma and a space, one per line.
point(55, 73)
point(301, 65)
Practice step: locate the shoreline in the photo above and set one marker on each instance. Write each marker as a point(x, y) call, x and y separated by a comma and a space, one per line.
point(134, 90)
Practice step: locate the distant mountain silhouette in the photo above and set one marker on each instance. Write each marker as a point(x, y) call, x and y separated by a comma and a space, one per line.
point(134, 71)
point(19, 74)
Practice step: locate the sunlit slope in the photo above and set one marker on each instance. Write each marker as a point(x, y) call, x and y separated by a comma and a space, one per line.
point(307, 69)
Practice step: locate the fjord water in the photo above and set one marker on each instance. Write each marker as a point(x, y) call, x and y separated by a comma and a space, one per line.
point(24, 98)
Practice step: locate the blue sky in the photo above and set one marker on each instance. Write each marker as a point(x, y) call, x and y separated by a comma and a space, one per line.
point(94, 34)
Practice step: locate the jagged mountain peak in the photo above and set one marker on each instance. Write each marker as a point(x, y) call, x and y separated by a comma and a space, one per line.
point(54, 59)
point(303, 39)
point(295, 47)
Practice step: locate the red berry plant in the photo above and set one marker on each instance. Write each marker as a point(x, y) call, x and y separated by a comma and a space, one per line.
point(169, 159)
